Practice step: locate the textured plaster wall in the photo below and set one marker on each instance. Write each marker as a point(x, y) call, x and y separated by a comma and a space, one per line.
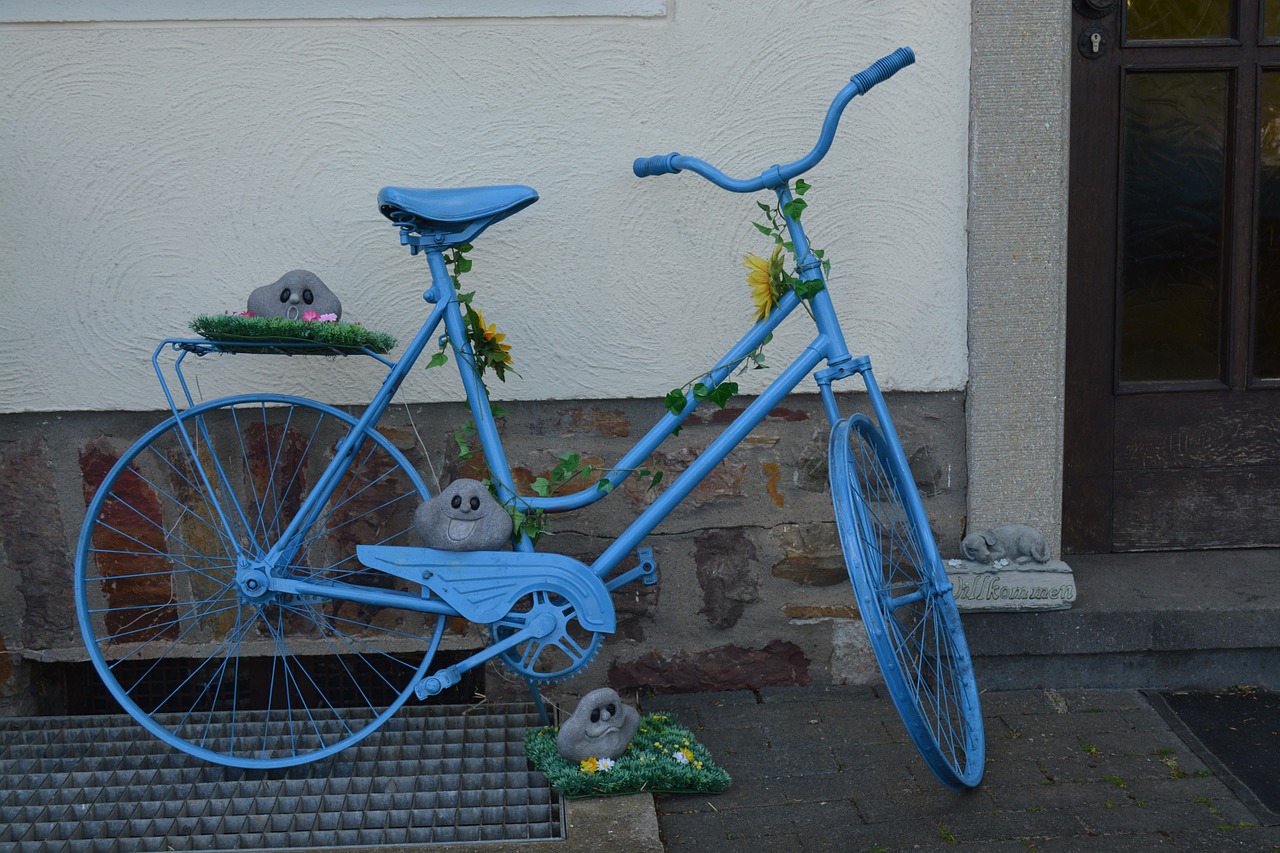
point(154, 170)
point(1017, 262)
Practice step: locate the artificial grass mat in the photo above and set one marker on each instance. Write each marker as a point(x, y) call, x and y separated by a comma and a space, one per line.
point(237, 328)
point(663, 758)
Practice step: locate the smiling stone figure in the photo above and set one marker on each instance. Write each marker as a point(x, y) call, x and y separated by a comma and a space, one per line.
point(463, 517)
point(294, 294)
point(601, 727)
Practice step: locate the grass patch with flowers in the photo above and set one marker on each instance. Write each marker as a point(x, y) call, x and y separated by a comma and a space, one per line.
point(663, 758)
point(245, 328)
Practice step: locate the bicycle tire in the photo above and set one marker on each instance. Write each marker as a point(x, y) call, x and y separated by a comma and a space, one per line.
point(906, 602)
point(264, 683)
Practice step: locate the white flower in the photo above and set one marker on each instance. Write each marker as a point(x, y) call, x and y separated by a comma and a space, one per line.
point(605, 764)
point(680, 757)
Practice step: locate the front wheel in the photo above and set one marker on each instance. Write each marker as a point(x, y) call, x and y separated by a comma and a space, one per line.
point(249, 681)
point(905, 601)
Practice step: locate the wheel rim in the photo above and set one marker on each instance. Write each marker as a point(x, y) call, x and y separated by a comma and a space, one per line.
point(168, 595)
point(906, 602)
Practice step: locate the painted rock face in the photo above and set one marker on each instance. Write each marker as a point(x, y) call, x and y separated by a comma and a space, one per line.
point(463, 517)
point(601, 727)
point(294, 294)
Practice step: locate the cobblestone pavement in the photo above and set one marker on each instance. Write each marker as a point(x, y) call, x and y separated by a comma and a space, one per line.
point(832, 769)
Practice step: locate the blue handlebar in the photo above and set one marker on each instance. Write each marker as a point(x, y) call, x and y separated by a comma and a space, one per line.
point(883, 69)
point(776, 176)
point(659, 164)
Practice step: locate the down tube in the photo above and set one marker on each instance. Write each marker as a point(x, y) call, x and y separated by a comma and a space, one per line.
point(709, 458)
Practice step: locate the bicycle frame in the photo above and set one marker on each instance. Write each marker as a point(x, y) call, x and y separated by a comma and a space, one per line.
point(827, 346)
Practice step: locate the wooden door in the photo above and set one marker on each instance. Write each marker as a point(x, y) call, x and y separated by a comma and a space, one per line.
point(1172, 433)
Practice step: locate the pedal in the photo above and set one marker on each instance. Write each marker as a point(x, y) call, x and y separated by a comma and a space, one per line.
point(433, 685)
point(648, 566)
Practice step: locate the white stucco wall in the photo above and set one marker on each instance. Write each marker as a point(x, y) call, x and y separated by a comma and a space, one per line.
point(150, 171)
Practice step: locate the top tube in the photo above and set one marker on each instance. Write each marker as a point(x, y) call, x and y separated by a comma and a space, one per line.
point(777, 176)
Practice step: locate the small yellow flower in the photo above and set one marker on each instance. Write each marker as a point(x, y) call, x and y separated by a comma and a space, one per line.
point(589, 765)
point(766, 281)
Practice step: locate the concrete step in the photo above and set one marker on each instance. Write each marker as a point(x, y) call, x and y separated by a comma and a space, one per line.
point(1154, 620)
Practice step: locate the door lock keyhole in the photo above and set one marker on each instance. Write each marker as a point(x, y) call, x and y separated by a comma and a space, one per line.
point(1092, 43)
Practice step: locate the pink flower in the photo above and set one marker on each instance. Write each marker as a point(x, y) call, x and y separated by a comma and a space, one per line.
point(328, 318)
point(310, 315)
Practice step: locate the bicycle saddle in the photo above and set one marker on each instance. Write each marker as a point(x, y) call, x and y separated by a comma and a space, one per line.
point(443, 218)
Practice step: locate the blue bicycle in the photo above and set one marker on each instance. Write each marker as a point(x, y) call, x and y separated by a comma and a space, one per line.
point(250, 586)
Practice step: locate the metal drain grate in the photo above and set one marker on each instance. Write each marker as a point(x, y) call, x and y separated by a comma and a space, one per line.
point(431, 775)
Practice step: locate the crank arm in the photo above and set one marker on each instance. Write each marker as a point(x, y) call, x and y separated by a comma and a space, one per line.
point(449, 676)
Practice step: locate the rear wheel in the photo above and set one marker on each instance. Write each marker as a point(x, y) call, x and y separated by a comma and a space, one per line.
point(250, 681)
point(906, 602)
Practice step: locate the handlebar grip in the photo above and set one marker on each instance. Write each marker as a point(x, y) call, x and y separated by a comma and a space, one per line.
point(659, 164)
point(883, 69)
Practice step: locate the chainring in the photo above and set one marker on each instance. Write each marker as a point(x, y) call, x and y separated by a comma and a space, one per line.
point(561, 648)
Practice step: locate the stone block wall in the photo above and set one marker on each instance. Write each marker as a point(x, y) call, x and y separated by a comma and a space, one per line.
point(753, 590)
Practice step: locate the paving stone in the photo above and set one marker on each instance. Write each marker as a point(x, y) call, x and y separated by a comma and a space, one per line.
point(1066, 771)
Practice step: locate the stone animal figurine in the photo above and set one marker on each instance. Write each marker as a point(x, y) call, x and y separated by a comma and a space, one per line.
point(1018, 543)
point(463, 517)
point(601, 727)
point(294, 294)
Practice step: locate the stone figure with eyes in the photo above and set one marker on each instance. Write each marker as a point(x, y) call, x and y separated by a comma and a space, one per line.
point(294, 294)
point(463, 517)
point(601, 727)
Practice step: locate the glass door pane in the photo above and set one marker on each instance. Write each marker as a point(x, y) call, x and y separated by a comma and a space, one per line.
point(1266, 307)
point(1271, 20)
point(1177, 19)
point(1172, 184)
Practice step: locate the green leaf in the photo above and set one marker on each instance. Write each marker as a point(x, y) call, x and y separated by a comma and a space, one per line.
point(676, 431)
point(605, 486)
point(566, 469)
point(657, 478)
point(463, 265)
point(701, 392)
point(762, 229)
point(807, 289)
point(437, 359)
point(674, 401)
point(498, 412)
point(541, 486)
point(794, 208)
point(763, 206)
point(802, 186)
point(723, 392)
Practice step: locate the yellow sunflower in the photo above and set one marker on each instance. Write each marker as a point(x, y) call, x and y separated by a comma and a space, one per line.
point(766, 281)
point(495, 349)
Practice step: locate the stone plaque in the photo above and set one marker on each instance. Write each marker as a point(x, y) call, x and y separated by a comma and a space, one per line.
point(1011, 587)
